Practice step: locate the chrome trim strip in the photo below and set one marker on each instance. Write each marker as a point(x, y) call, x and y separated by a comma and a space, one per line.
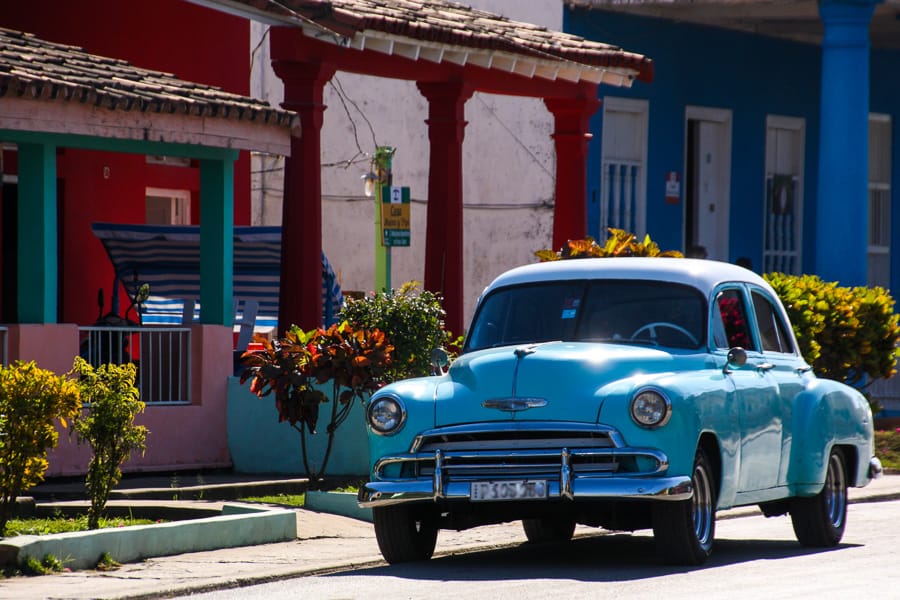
point(565, 474)
point(438, 474)
point(514, 404)
point(513, 426)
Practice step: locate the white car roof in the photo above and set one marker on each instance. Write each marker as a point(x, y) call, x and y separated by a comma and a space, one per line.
point(699, 273)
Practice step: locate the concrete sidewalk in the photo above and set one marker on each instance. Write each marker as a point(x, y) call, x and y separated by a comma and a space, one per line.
point(325, 543)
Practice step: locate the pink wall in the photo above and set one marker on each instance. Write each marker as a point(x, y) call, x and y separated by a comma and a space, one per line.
point(180, 437)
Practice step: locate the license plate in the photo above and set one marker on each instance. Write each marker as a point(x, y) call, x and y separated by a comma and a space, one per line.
point(486, 491)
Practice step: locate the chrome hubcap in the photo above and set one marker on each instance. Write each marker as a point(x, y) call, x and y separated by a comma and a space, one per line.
point(703, 508)
point(835, 492)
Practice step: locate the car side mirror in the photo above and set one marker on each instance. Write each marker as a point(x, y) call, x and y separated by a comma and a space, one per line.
point(439, 360)
point(737, 357)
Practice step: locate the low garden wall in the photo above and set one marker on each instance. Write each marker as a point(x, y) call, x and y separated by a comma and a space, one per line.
point(260, 444)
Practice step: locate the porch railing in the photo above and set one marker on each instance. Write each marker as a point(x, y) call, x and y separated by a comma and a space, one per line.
point(162, 356)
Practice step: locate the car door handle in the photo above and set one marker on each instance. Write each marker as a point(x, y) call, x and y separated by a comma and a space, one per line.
point(765, 366)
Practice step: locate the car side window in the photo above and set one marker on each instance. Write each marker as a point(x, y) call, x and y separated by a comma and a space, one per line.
point(772, 330)
point(730, 325)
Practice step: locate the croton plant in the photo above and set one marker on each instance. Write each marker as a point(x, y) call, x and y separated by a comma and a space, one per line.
point(294, 367)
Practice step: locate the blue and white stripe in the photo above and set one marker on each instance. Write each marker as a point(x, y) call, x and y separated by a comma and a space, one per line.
point(168, 258)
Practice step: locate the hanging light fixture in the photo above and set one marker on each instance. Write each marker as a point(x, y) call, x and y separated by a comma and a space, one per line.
point(369, 184)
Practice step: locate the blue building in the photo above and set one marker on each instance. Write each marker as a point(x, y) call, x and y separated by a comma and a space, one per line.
point(768, 132)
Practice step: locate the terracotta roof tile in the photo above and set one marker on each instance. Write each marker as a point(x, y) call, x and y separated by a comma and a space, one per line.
point(36, 68)
point(452, 23)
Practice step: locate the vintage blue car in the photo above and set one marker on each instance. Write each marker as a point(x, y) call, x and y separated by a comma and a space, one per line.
point(623, 393)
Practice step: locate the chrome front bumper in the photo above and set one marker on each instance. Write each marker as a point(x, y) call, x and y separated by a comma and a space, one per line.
point(567, 480)
point(384, 493)
point(578, 461)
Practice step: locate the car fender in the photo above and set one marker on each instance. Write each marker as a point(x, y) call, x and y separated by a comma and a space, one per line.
point(826, 414)
point(417, 396)
point(701, 404)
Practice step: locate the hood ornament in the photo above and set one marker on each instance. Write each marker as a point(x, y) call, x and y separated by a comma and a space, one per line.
point(514, 404)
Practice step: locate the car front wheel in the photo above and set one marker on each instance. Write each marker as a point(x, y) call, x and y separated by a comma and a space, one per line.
point(819, 521)
point(684, 530)
point(404, 533)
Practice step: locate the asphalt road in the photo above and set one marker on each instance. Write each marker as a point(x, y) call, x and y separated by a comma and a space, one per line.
point(754, 558)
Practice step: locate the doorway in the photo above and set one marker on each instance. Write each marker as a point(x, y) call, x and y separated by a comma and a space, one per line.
point(707, 181)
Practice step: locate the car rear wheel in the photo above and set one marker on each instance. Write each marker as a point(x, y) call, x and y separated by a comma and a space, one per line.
point(819, 521)
point(404, 533)
point(684, 530)
point(548, 529)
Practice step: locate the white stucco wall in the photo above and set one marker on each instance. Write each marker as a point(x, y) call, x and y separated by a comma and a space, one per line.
point(508, 168)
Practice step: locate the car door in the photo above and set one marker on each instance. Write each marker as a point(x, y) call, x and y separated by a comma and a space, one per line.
point(756, 394)
point(790, 371)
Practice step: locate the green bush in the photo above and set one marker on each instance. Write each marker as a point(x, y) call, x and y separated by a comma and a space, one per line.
point(31, 401)
point(847, 334)
point(887, 448)
point(107, 425)
point(412, 320)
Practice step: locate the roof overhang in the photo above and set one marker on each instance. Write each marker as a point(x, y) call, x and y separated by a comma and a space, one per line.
point(550, 69)
point(78, 119)
point(796, 20)
point(532, 63)
point(65, 92)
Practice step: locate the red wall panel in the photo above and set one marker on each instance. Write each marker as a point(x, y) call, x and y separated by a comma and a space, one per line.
point(189, 41)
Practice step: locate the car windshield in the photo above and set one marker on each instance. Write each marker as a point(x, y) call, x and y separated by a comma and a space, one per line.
point(622, 311)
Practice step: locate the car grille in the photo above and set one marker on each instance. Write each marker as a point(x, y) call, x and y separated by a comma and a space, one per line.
point(506, 452)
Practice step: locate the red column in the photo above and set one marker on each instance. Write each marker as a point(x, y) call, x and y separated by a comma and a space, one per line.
point(571, 119)
point(300, 298)
point(444, 225)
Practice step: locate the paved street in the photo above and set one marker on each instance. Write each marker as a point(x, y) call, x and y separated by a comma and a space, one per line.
point(753, 552)
point(755, 558)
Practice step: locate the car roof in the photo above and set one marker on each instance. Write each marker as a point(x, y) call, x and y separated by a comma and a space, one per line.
point(702, 274)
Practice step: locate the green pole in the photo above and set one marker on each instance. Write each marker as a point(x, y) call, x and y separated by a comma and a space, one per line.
point(382, 164)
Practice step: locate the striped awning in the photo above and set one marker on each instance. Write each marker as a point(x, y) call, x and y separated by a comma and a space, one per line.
point(167, 257)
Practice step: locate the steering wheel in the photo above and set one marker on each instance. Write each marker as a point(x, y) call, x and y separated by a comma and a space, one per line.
point(651, 327)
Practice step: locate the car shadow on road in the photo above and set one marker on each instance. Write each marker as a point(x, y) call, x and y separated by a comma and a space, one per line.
point(601, 558)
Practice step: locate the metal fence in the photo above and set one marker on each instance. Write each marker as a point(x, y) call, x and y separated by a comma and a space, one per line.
point(162, 356)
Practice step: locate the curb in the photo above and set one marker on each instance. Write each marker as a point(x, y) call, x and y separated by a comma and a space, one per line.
point(238, 525)
point(337, 503)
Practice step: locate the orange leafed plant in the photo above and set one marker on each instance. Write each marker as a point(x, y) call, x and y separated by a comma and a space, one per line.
point(354, 360)
point(619, 243)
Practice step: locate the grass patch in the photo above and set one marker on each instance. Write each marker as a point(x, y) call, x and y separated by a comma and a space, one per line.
point(107, 563)
point(347, 488)
point(51, 525)
point(293, 500)
point(887, 448)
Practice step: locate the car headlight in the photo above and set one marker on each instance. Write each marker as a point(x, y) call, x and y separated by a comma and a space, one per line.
point(649, 408)
point(386, 415)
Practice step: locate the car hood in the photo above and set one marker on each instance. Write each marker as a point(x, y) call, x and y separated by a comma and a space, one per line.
point(552, 381)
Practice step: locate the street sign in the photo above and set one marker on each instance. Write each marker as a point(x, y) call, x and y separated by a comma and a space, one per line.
point(395, 215)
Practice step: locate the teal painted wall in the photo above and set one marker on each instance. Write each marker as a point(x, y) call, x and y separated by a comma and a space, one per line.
point(260, 444)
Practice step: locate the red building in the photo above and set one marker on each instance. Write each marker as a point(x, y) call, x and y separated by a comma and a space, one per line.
point(191, 42)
